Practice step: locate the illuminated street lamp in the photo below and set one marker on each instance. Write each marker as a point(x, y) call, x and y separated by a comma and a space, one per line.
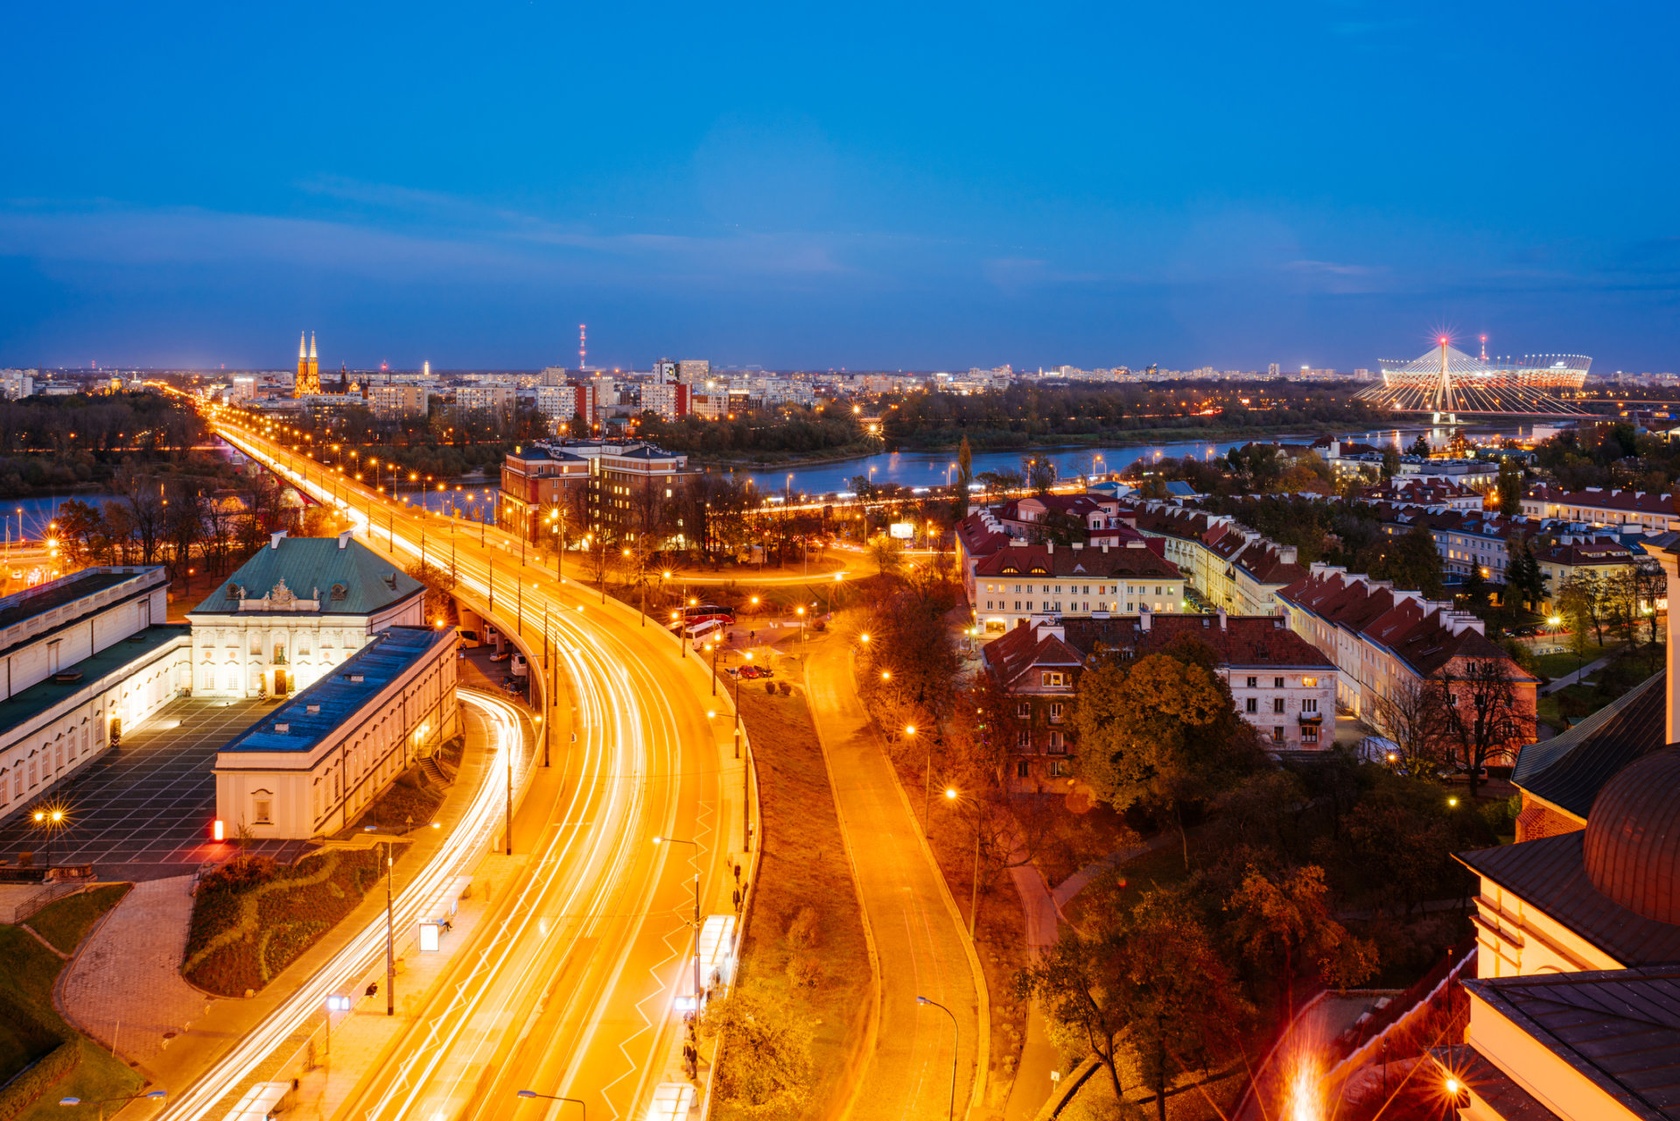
point(152, 1095)
point(738, 676)
point(50, 820)
point(953, 796)
point(696, 844)
point(583, 1110)
point(956, 1037)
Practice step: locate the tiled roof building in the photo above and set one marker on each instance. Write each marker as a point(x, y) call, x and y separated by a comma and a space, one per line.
point(1385, 641)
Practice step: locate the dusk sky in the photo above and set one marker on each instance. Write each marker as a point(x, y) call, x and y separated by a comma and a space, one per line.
point(896, 186)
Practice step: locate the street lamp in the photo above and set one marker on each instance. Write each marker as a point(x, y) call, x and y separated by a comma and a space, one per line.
point(154, 1095)
point(696, 844)
point(583, 1110)
point(956, 1038)
point(749, 658)
point(50, 820)
point(952, 795)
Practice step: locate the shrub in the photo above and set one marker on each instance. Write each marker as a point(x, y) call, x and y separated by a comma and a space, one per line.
point(23, 1091)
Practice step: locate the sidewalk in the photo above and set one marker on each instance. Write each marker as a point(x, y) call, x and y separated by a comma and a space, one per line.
point(124, 988)
point(919, 938)
point(1574, 676)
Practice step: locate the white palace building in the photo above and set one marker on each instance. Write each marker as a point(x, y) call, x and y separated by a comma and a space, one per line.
point(299, 607)
point(324, 627)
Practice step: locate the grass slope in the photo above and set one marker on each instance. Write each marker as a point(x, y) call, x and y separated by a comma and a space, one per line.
point(804, 867)
point(31, 1028)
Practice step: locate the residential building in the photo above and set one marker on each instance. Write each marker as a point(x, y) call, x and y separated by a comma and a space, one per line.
point(667, 400)
point(18, 384)
point(1563, 561)
point(1228, 565)
point(1280, 684)
point(1643, 510)
point(537, 482)
point(397, 400)
point(498, 399)
point(291, 613)
point(694, 371)
point(1388, 644)
point(633, 488)
point(1021, 581)
point(561, 404)
point(311, 766)
point(87, 658)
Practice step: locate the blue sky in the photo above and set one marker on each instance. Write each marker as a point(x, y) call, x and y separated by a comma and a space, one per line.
point(892, 186)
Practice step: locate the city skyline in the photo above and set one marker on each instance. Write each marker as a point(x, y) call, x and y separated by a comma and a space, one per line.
point(1323, 186)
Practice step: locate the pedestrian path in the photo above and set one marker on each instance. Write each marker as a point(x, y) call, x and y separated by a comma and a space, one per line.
point(125, 988)
point(1574, 676)
point(921, 944)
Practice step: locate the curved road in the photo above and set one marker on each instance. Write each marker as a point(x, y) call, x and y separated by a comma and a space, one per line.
point(570, 990)
point(920, 944)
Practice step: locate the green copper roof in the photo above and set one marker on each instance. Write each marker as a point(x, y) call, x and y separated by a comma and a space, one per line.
point(353, 580)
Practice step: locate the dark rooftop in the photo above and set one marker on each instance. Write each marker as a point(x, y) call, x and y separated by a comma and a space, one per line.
point(38, 698)
point(1619, 1028)
point(1550, 874)
point(1569, 769)
point(337, 696)
point(23, 605)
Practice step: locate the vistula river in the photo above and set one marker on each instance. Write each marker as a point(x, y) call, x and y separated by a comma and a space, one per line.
point(926, 469)
point(475, 497)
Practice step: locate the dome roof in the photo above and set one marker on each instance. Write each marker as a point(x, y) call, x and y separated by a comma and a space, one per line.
point(1633, 837)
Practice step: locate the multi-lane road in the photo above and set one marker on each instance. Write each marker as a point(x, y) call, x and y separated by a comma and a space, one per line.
point(569, 988)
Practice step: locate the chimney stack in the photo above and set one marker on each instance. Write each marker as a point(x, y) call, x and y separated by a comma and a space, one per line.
point(275, 538)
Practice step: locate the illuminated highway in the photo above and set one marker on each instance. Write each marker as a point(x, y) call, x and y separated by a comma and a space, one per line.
point(568, 988)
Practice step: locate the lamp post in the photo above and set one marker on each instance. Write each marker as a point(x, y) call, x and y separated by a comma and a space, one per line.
point(49, 820)
point(952, 795)
point(696, 844)
point(956, 1038)
point(390, 940)
point(583, 1110)
point(715, 645)
point(154, 1095)
point(749, 658)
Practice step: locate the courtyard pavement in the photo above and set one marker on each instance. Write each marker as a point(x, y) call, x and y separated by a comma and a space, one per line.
point(144, 810)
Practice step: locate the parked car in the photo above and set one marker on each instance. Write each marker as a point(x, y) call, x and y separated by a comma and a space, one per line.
point(517, 666)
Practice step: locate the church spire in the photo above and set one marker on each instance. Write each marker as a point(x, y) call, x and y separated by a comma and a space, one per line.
point(301, 353)
point(312, 344)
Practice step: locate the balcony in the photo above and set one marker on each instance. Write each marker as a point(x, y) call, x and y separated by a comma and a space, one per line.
point(1313, 718)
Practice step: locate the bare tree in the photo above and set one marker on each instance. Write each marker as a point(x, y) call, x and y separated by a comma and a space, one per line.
point(1480, 718)
point(1411, 716)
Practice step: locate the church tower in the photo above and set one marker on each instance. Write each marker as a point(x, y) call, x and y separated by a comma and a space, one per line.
point(309, 370)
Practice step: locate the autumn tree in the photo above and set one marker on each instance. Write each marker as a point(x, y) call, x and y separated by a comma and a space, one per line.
point(1146, 989)
point(1282, 923)
point(1410, 560)
point(965, 476)
point(1161, 732)
point(1508, 488)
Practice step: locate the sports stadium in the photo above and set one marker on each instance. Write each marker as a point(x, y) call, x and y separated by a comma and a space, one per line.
point(1445, 380)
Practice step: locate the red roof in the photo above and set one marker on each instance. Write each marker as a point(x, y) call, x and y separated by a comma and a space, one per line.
point(1249, 641)
point(1023, 649)
point(1101, 563)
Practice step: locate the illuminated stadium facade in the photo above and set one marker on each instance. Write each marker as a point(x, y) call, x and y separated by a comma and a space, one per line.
point(1446, 382)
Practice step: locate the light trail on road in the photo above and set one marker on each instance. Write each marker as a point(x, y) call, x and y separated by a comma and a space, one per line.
point(462, 848)
point(569, 986)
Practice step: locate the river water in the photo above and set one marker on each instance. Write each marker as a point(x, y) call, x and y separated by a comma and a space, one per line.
point(475, 498)
point(926, 469)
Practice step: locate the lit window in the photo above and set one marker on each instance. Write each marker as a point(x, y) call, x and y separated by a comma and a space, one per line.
point(1309, 682)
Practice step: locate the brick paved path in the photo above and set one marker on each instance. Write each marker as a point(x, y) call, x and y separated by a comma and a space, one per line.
point(125, 986)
